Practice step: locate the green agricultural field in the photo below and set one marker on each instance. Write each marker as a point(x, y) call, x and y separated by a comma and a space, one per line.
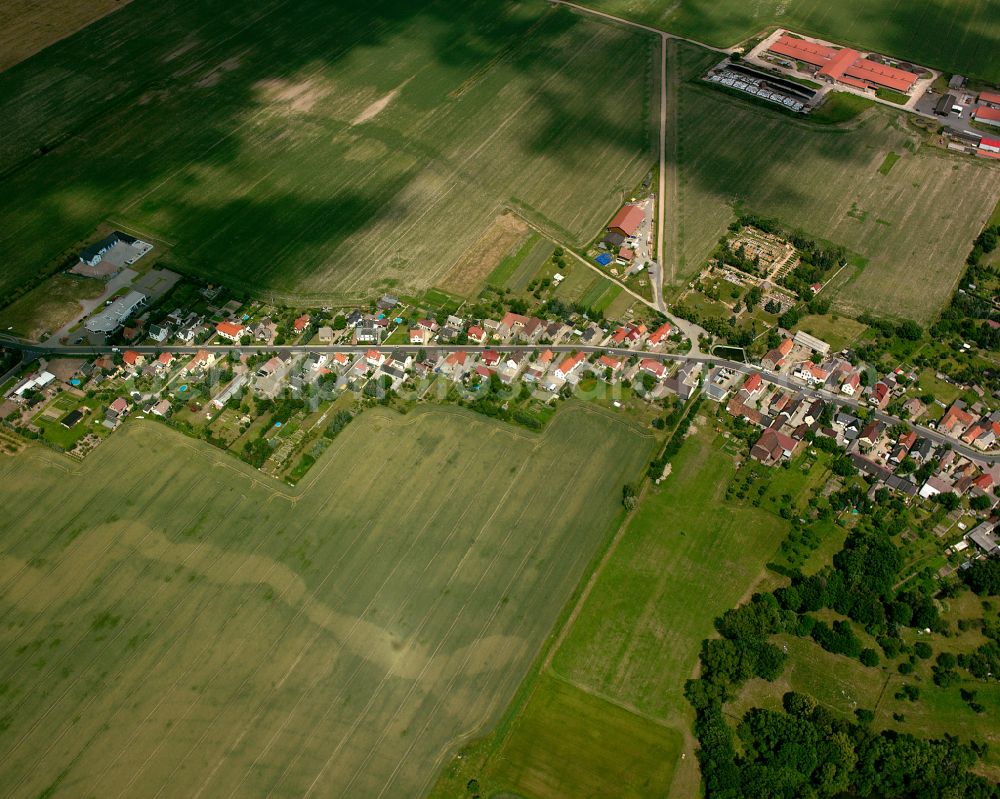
point(566, 743)
point(918, 219)
point(952, 35)
point(321, 149)
point(173, 622)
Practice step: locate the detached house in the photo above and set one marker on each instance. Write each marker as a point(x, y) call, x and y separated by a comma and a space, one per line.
point(419, 336)
point(477, 334)
point(659, 336)
point(163, 362)
point(851, 385)
point(772, 447)
point(569, 365)
point(230, 331)
point(654, 368)
point(455, 365)
point(607, 362)
point(202, 360)
point(880, 395)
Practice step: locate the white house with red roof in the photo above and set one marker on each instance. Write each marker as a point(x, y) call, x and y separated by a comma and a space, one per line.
point(374, 358)
point(851, 384)
point(490, 357)
point(569, 366)
point(163, 361)
point(607, 362)
point(230, 331)
point(659, 336)
point(301, 323)
point(811, 373)
point(653, 367)
point(477, 334)
point(419, 335)
point(753, 385)
point(455, 365)
point(133, 358)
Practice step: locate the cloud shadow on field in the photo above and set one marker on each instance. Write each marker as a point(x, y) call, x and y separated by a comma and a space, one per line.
point(118, 116)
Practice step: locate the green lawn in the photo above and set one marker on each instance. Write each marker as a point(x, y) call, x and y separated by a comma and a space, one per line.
point(174, 621)
point(952, 35)
point(892, 96)
point(890, 161)
point(321, 149)
point(837, 331)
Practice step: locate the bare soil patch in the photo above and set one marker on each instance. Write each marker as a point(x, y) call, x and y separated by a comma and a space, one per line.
point(29, 26)
point(474, 266)
point(295, 97)
point(376, 108)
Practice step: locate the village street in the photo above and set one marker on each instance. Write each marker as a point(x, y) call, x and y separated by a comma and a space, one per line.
point(36, 350)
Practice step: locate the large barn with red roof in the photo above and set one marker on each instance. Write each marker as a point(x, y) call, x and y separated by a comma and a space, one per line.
point(627, 221)
point(844, 65)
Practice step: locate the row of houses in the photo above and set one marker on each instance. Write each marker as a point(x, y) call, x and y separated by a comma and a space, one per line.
point(879, 451)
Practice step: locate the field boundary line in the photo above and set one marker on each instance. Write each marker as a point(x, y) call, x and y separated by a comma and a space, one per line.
point(567, 484)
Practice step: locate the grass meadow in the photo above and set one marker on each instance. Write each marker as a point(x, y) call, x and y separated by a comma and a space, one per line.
point(687, 556)
point(913, 226)
point(951, 35)
point(174, 623)
point(321, 149)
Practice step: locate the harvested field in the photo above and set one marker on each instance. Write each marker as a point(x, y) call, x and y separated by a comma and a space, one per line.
point(173, 622)
point(476, 264)
point(29, 26)
point(322, 150)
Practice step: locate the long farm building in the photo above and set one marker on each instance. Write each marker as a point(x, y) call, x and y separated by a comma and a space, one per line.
point(844, 65)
